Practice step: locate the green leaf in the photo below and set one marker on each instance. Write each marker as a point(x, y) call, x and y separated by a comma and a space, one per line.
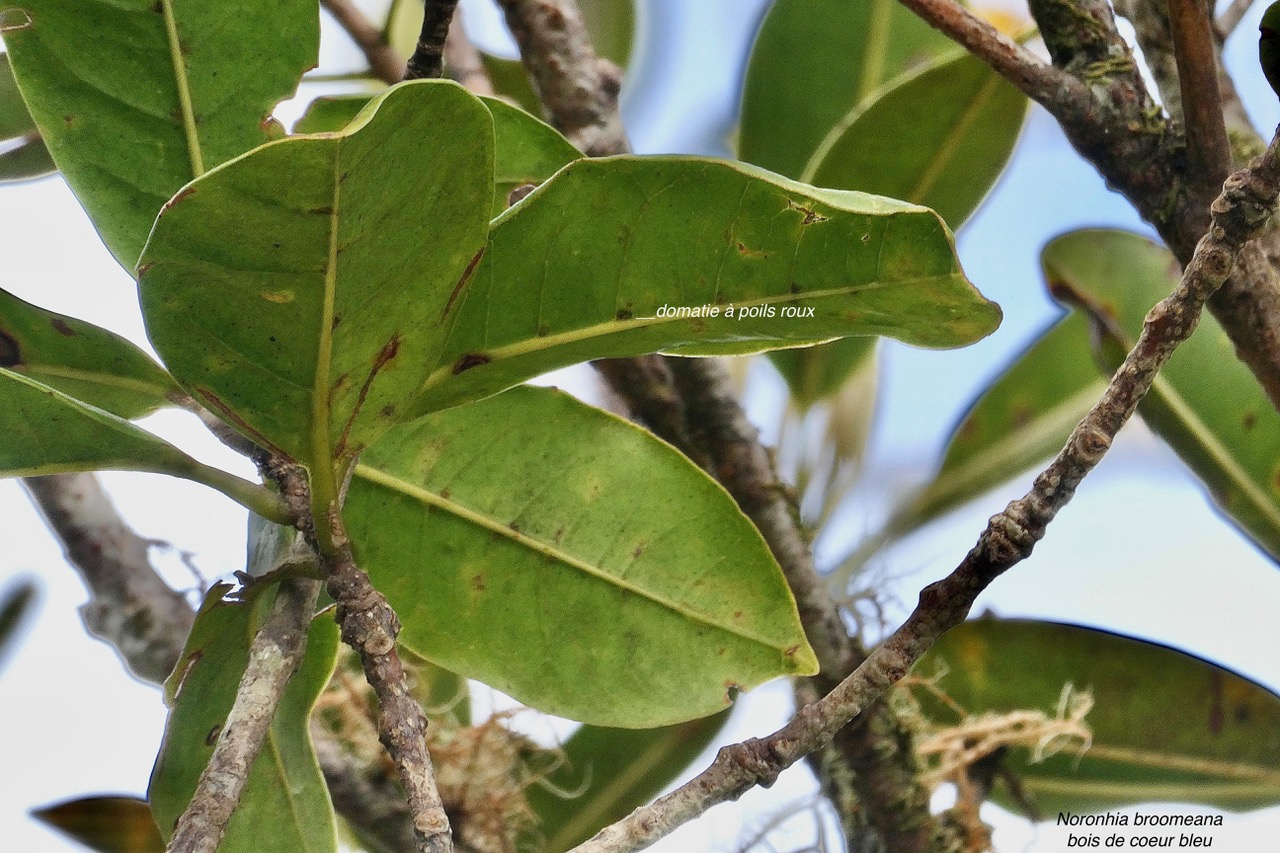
point(81, 360)
point(607, 773)
point(583, 266)
point(612, 27)
point(23, 154)
point(285, 805)
point(939, 137)
point(105, 824)
point(526, 151)
point(1024, 417)
point(47, 432)
point(136, 97)
point(15, 602)
point(815, 60)
point(548, 581)
point(510, 80)
point(1167, 726)
point(303, 291)
point(1205, 403)
point(330, 113)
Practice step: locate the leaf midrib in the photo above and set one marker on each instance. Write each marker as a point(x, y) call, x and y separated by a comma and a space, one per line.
point(951, 143)
point(489, 525)
point(184, 89)
point(445, 372)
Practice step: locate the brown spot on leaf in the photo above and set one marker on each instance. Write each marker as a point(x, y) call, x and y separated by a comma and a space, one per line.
point(444, 494)
point(791, 651)
point(543, 330)
point(637, 551)
point(470, 360)
point(478, 583)
point(515, 528)
point(462, 283)
point(337, 318)
point(323, 210)
point(60, 326)
point(385, 356)
point(10, 353)
point(810, 216)
point(624, 314)
point(387, 411)
point(738, 614)
point(750, 253)
point(1249, 421)
point(519, 192)
point(558, 535)
point(142, 268)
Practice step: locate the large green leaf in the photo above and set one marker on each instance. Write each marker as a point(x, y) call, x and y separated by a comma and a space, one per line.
point(285, 805)
point(81, 360)
point(47, 432)
point(546, 579)
point(584, 267)
point(105, 824)
point(23, 154)
point(136, 97)
point(815, 60)
point(526, 151)
point(1167, 726)
point(1205, 403)
point(304, 290)
point(606, 773)
point(939, 137)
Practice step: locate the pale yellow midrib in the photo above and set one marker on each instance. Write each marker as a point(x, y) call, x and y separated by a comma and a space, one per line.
point(382, 478)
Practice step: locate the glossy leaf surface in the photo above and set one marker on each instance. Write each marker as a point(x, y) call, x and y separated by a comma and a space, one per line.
point(161, 92)
point(815, 60)
point(81, 360)
point(303, 291)
point(607, 773)
point(1167, 726)
point(105, 824)
point(939, 137)
point(582, 268)
point(285, 807)
point(1205, 403)
point(515, 553)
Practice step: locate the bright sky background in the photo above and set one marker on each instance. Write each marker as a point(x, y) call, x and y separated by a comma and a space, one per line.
point(1139, 551)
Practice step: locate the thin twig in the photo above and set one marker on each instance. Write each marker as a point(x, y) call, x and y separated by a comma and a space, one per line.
point(1239, 214)
point(382, 59)
point(462, 61)
point(428, 57)
point(1116, 126)
point(370, 626)
point(1208, 152)
point(578, 89)
point(130, 607)
point(1231, 18)
point(274, 655)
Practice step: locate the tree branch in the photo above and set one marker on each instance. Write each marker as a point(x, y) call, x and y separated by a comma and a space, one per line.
point(370, 626)
point(462, 61)
point(274, 656)
point(130, 608)
point(1239, 214)
point(382, 59)
point(1099, 99)
point(427, 60)
point(1208, 152)
point(578, 90)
